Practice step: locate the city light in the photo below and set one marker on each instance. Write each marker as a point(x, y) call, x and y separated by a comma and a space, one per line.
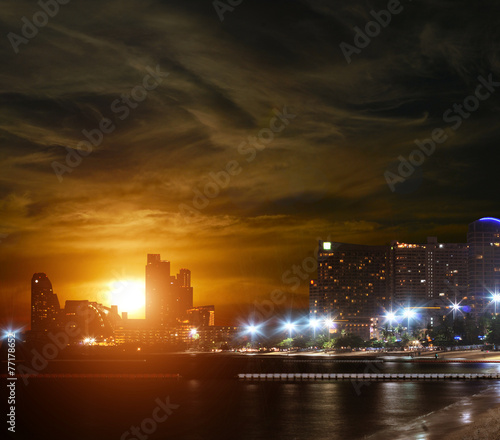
point(329, 323)
point(495, 299)
point(314, 323)
point(390, 316)
point(9, 333)
point(253, 329)
point(408, 313)
point(485, 219)
point(455, 307)
point(193, 332)
point(290, 326)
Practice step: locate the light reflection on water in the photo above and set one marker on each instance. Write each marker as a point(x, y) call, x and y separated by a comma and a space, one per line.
point(229, 409)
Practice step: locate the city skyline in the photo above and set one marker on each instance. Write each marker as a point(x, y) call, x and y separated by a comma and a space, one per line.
point(249, 218)
point(133, 293)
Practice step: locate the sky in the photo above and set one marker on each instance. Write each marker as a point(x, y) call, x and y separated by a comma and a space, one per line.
point(265, 126)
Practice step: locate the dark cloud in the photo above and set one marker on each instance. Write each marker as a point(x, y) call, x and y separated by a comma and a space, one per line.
point(322, 175)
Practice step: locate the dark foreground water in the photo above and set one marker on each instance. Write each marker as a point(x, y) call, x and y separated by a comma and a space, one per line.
point(231, 409)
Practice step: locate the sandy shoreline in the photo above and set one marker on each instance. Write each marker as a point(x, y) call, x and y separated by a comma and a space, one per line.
point(486, 427)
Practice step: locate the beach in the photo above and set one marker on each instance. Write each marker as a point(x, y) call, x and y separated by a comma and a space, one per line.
point(486, 427)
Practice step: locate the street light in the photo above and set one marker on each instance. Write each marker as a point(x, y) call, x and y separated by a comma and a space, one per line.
point(496, 298)
point(329, 325)
point(252, 329)
point(390, 316)
point(314, 323)
point(455, 307)
point(290, 326)
point(408, 313)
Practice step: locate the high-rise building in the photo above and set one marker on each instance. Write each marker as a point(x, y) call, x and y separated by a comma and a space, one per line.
point(202, 316)
point(167, 297)
point(159, 293)
point(446, 276)
point(356, 284)
point(483, 238)
point(407, 274)
point(422, 272)
point(185, 292)
point(45, 306)
point(351, 282)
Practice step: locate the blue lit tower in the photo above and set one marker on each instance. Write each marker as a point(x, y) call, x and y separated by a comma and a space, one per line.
point(483, 239)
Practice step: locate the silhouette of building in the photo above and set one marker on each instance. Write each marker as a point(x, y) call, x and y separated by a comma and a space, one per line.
point(483, 238)
point(89, 320)
point(202, 316)
point(184, 292)
point(167, 297)
point(45, 306)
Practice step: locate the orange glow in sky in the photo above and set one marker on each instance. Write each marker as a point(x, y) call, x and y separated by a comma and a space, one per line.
point(129, 296)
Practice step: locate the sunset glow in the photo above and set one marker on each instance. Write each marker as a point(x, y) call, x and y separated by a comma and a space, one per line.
point(129, 296)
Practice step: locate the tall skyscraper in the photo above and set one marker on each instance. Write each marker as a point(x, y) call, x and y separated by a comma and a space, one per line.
point(351, 282)
point(446, 274)
point(423, 272)
point(483, 239)
point(167, 297)
point(358, 283)
point(45, 306)
point(159, 295)
point(185, 292)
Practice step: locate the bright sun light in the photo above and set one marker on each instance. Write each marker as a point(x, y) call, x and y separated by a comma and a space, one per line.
point(129, 296)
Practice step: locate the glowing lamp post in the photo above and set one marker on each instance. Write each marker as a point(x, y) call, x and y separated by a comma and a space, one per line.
point(252, 329)
point(329, 325)
point(496, 298)
point(409, 313)
point(314, 323)
point(290, 326)
point(390, 316)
